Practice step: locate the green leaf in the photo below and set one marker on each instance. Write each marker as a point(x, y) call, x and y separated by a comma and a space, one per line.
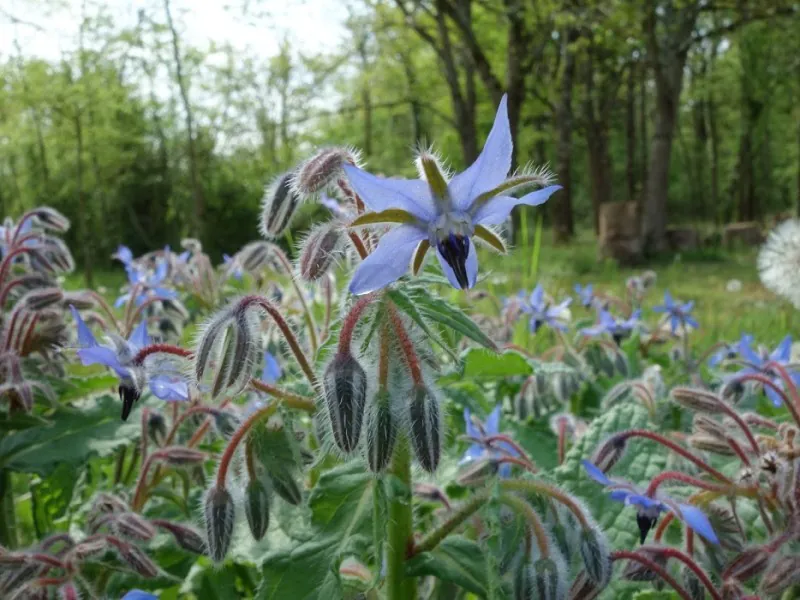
point(71, 439)
point(457, 560)
point(405, 304)
point(482, 364)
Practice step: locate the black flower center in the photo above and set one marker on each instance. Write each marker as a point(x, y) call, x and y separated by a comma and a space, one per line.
point(645, 523)
point(455, 250)
point(129, 395)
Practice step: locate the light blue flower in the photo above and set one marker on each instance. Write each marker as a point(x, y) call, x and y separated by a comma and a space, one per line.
point(758, 363)
point(124, 255)
point(729, 351)
point(233, 267)
point(585, 294)
point(679, 314)
point(480, 451)
point(272, 371)
point(147, 284)
point(335, 207)
point(618, 329)
point(648, 509)
point(445, 215)
point(543, 313)
point(139, 595)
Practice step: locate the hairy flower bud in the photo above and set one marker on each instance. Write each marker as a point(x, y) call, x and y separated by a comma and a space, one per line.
point(525, 582)
point(732, 589)
point(137, 560)
point(278, 206)
point(549, 579)
point(226, 423)
point(180, 456)
point(636, 571)
point(609, 452)
point(255, 256)
point(40, 298)
point(692, 584)
point(219, 512)
point(68, 592)
point(50, 218)
point(596, 555)
point(697, 400)
point(134, 526)
point(186, 537)
point(704, 425)
point(708, 443)
point(319, 251)
point(257, 498)
point(381, 432)
point(782, 573)
point(285, 485)
point(748, 564)
point(157, 428)
point(425, 423)
point(345, 385)
point(321, 170)
point(584, 588)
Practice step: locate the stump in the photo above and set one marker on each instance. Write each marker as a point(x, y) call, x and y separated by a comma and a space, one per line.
point(620, 236)
point(747, 233)
point(681, 239)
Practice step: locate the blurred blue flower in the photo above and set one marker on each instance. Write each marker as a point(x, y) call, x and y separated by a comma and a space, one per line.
point(585, 294)
point(440, 214)
point(648, 509)
point(272, 371)
point(729, 351)
point(542, 313)
point(164, 385)
point(758, 363)
point(335, 207)
point(618, 329)
point(139, 595)
point(232, 267)
point(679, 314)
point(124, 255)
point(146, 284)
point(478, 450)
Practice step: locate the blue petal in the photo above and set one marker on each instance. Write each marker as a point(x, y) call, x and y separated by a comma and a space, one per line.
point(124, 255)
point(183, 257)
point(492, 424)
point(773, 395)
point(504, 471)
point(472, 431)
point(748, 353)
point(691, 322)
point(668, 301)
point(619, 495)
point(160, 272)
point(474, 452)
point(169, 388)
point(410, 195)
point(272, 370)
point(471, 265)
point(784, 350)
point(163, 293)
point(85, 337)
point(122, 300)
point(595, 473)
point(139, 595)
point(491, 168)
point(643, 501)
point(102, 355)
point(139, 338)
point(496, 210)
point(389, 261)
point(537, 297)
point(697, 520)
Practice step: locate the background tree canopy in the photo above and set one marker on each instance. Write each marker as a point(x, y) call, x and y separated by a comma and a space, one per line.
point(689, 107)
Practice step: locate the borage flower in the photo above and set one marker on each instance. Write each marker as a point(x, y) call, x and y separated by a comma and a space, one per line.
point(166, 384)
point(679, 314)
point(139, 595)
point(618, 329)
point(729, 351)
point(648, 509)
point(543, 313)
point(759, 362)
point(490, 451)
point(144, 283)
point(445, 215)
point(272, 370)
point(233, 267)
point(585, 294)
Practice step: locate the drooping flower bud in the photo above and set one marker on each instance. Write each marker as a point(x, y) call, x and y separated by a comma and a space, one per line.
point(137, 560)
point(285, 485)
point(40, 298)
point(181, 456)
point(584, 588)
point(50, 218)
point(257, 499)
point(381, 432)
point(525, 581)
point(596, 555)
point(219, 512)
point(186, 537)
point(782, 573)
point(319, 251)
point(68, 592)
point(157, 428)
point(425, 424)
point(692, 584)
point(732, 589)
point(345, 385)
point(750, 563)
point(549, 579)
point(322, 170)
point(255, 256)
point(226, 423)
point(636, 571)
point(609, 452)
point(697, 400)
point(134, 526)
point(88, 548)
point(708, 443)
point(278, 206)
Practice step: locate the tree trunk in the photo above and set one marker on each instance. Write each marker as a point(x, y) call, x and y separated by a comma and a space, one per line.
point(599, 172)
point(83, 212)
point(643, 117)
point(630, 133)
point(417, 123)
point(713, 132)
point(197, 192)
point(561, 205)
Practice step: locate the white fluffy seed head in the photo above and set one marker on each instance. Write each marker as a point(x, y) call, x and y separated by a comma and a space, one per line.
point(779, 261)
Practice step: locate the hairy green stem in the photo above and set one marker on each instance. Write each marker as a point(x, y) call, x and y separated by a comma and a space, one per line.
point(430, 541)
point(400, 530)
point(8, 529)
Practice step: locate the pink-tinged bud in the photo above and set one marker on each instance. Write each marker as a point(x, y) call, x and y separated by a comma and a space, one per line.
point(609, 452)
point(345, 387)
point(255, 256)
point(186, 537)
point(322, 170)
point(636, 571)
point(476, 473)
point(68, 592)
point(50, 218)
point(583, 588)
point(80, 300)
point(596, 555)
point(355, 576)
point(41, 298)
point(257, 499)
point(138, 561)
point(219, 512)
point(750, 563)
point(319, 251)
point(697, 399)
point(134, 526)
point(89, 548)
point(732, 590)
point(381, 432)
point(12, 559)
point(782, 573)
point(278, 206)
point(425, 422)
point(180, 456)
point(708, 443)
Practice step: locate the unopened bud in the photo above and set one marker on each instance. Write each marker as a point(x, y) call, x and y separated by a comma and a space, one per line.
point(219, 512)
point(708, 443)
point(180, 456)
point(68, 592)
point(381, 432)
point(50, 218)
point(724, 525)
point(525, 582)
point(748, 564)
point(564, 385)
point(137, 560)
point(732, 590)
point(319, 251)
point(596, 556)
point(278, 206)
point(426, 427)
point(733, 391)
point(157, 428)
point(345, 385)
point(134, 526)
point(477, 472)
point(609, 452)
point(80, 300)
point(692, 584)
point(321, 170)
point(226, 423)
point(583, 588)
point(286, 486)
point(257, 498)
point(697, 399)
point(355, 575)
point(41, 298)
point(782, 573)
point(636, 571)
point(186, 537)
point(549, 579)
point(255, 256)
point(704, 425)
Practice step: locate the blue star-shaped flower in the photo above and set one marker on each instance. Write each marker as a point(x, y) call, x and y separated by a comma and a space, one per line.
point(648, 509)
point(679, 313)
point(233, 267)
point(543, 313)
point(757, 363)
point(440, 214)
point(139, 595)
point(272, 371)
point(618, 329)
point(480, 451)
point(729, 351)
point(585, 294)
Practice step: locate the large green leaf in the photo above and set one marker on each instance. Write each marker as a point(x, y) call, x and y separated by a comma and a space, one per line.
point(72, 437)
point(457, 560)
point(341, 512)
point(482, 364)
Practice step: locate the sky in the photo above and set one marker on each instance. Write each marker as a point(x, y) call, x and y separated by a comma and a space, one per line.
point(312, 25)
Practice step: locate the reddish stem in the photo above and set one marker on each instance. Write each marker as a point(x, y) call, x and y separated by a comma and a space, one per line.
point(683, 478)
point(161, 349)
point(407, 346)
point(350, 322)
point(734, 445)
point(654, 567)
point(48, 560)
point(764, 380)
point(670, 552)
point(662, 526)
point(358, 244)
point(290, 399)
point(236, 438)
point(507, 440)
point(515, 461)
